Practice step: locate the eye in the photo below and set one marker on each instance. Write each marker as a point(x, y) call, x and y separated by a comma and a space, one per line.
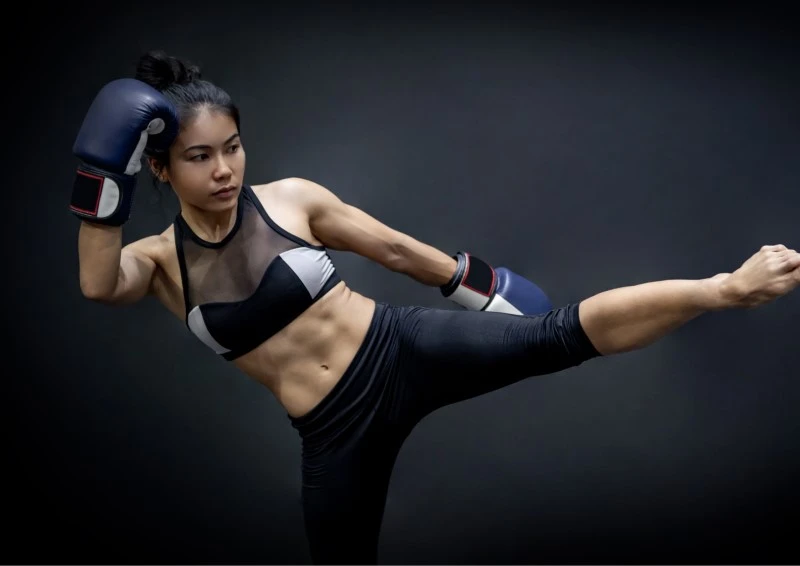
point(233, 148)
point(199, 157)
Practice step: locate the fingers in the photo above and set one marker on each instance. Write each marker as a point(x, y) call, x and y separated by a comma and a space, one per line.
point(793, 260)
point(773, 248)
point(783, 261)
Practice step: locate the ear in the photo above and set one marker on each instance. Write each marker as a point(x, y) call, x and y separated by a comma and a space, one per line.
point(158, 169)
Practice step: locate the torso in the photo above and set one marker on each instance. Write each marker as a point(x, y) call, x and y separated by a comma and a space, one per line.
point(302, 362)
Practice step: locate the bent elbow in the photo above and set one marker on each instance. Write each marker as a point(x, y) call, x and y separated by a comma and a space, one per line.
point(96, 293)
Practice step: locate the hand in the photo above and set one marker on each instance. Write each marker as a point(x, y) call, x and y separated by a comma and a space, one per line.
point(477, 286)
point(517, 295)
point(125, 116)
point(768, 274)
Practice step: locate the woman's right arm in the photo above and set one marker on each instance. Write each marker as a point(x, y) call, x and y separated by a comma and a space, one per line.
point(109, 272)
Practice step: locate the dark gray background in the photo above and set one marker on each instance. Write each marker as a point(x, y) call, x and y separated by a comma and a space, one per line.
point(586, 148)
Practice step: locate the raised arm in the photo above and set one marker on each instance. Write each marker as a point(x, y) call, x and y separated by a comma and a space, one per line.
point(110, 273)
point(125, 115)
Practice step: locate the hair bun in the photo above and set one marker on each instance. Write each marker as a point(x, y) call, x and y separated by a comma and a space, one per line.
point(160, 70)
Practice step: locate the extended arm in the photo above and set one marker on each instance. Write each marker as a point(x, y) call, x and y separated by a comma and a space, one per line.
point(340, 226)
point(464, 279)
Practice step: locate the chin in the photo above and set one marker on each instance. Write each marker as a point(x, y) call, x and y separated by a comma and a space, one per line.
point(224, 206)
point(225, 203)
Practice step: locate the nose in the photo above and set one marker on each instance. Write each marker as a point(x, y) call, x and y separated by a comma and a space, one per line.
point(222, 169)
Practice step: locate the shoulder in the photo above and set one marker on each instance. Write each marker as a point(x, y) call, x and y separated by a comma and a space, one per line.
point(310, 196)
point(280, 185)
point(155, 247)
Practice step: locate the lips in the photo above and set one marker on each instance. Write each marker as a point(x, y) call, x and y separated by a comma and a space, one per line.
point(225, 189)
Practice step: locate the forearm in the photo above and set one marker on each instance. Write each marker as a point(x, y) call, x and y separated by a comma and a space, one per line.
point(629, 318)
point(99, 251)
point(423, 262)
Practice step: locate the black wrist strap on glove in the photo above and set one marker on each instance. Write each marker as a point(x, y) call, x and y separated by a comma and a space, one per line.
point(102, 197)
point(473, 284)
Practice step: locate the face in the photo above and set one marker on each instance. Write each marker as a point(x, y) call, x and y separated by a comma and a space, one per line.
point(207, 163)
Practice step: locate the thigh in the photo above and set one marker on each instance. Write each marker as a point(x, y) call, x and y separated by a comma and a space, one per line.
point(452, 355)
point(344, 497)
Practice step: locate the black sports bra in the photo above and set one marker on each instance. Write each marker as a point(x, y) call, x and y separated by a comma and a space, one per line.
point(240, 291)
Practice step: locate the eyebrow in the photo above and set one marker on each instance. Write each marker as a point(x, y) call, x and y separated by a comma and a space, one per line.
point(205, 146)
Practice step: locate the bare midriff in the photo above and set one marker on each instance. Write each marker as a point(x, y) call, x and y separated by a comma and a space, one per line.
point(304, 361)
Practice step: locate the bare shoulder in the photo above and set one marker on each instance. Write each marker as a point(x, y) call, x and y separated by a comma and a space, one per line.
point(155, 247)
point(290, 204)
point(158, 249)
point(281, 192)
point(284, 185)
point(303, 193)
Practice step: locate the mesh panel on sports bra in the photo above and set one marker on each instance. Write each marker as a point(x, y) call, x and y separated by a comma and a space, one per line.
point(232, 269)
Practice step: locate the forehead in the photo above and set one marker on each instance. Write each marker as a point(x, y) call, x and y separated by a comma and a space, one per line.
point(209, 127)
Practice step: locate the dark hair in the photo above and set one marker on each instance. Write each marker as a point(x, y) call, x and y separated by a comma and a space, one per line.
point(182, 83)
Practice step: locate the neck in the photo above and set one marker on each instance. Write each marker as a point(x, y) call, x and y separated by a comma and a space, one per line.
point(210, 226)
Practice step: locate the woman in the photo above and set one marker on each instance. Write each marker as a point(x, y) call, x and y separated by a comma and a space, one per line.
point(246, 267)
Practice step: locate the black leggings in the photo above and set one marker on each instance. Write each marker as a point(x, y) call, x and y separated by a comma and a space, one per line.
point(413, 361)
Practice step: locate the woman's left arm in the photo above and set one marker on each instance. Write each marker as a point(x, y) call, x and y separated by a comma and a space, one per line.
point(343, 227)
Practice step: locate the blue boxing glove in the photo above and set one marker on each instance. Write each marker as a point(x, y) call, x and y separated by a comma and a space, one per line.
point(477, 286)
point(126, 116)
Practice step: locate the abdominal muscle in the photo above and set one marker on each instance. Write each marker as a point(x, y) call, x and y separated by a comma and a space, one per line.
point(304, 361)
